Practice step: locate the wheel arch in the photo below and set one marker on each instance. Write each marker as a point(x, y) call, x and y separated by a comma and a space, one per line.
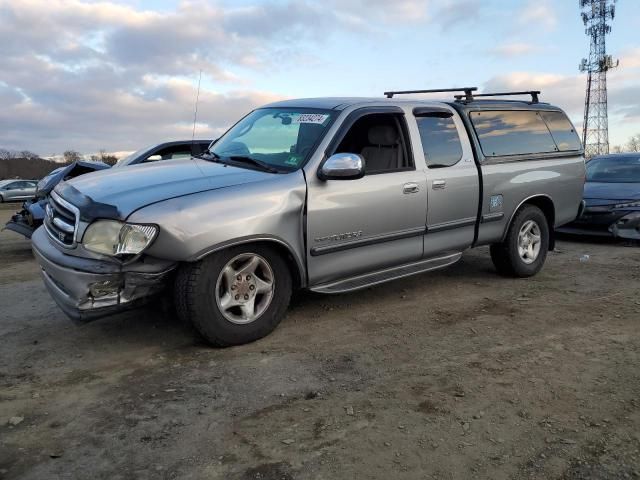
point(544, 203)
point(296, 267)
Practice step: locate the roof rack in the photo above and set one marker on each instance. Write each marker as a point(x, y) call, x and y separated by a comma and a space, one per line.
point(468, 95)
point(534, 95)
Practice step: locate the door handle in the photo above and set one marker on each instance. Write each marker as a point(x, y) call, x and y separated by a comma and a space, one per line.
point(410, 188)
point(439, 184)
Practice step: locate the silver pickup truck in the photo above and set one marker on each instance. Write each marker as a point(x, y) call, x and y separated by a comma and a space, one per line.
point(326, 194)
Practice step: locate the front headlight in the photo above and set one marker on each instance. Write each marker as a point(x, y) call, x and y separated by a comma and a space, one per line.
point(627, 205)
point(114, 238)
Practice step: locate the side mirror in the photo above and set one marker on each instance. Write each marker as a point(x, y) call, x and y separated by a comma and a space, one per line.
point(342, 166)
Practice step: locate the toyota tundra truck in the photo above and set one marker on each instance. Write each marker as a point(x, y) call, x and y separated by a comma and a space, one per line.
point(326, 194)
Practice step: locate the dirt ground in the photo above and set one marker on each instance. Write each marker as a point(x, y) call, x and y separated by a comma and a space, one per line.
point(455, 374)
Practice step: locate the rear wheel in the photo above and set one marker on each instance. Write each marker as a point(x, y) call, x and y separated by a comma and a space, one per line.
point(235, 296)
point(524, 249)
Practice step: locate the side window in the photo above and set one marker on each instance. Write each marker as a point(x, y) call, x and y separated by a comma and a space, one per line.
point(562, 131)
point(170, 153)
point(180, 154)
point(513, 132)
point(440, 140)
point(380, 139)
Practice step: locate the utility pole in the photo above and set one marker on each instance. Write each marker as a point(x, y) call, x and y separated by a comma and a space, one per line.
point(596, 15)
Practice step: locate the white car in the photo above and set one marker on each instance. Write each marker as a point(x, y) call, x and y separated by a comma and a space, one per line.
point(12, 190)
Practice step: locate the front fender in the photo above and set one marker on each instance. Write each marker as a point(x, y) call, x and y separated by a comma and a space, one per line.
point(193, 226)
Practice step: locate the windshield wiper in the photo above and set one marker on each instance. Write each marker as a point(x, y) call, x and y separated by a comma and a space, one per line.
point(258, 163)
point(213, 157)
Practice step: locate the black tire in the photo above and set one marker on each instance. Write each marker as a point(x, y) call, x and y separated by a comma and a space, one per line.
point(505, 255)
point(1, 199)
point(195, 300)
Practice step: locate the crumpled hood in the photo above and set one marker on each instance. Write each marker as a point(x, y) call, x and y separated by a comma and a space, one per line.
point(72, 170)
point(136, 186)
point(600, 193)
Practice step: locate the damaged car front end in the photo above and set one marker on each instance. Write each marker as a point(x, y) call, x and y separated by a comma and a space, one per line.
point(32, 213)
point(611, 198)
point(91, 262)
point(112, 240)
point(608, 219)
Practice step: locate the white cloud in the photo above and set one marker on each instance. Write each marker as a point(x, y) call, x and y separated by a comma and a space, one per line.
point(568, 91)
point(361, 13)
point(87, 75)
point(539, 13)
point(630, 58)
point(451, 13)
point(515, 49)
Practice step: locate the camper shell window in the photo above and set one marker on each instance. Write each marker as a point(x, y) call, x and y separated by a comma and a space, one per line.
point(523, 132)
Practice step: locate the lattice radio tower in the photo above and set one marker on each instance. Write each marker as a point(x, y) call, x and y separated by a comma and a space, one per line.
point(595, 134)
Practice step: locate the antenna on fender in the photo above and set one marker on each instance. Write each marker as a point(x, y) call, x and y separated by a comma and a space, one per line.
point(195, 113)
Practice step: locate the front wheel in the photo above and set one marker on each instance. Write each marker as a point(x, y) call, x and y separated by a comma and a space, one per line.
point(524, 249)
point(235, 296)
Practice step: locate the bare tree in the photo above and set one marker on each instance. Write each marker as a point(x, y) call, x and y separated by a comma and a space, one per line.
point(110, 159)
point(6, 154)
point(107, 157)
point(71, 156)
point(634, 144)
point(29, 155)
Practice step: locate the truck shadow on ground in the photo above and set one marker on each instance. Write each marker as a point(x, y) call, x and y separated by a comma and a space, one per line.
point(159, 323)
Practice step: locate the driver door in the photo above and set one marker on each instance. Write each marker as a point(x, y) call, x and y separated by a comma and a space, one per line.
point(377, 221)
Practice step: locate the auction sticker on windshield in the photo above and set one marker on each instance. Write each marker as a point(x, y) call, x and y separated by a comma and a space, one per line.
point(317, 118)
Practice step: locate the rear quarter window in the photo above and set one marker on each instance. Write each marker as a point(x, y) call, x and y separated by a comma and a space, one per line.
point(562, 131)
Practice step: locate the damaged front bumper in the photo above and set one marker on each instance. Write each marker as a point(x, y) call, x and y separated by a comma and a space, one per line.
point(87, 289)
point(19, 225)
point(606, 221)
point(627, 227)
point(28, 219)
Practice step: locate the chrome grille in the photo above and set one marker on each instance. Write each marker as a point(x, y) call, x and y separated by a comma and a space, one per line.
point(61, 221)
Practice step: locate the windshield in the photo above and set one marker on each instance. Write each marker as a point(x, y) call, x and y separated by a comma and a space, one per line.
point(283, 138)
point(614, 170)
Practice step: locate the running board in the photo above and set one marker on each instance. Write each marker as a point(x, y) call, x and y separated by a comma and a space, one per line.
point(386, 275)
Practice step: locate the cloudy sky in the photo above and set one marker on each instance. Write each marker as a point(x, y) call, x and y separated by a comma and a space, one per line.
point(118, 75)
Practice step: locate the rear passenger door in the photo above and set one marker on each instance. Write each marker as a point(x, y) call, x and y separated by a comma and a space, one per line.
point(453, 187)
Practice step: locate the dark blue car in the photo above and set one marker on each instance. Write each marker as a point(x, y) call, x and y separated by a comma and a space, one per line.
point(612, 198)
point(31, 216)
